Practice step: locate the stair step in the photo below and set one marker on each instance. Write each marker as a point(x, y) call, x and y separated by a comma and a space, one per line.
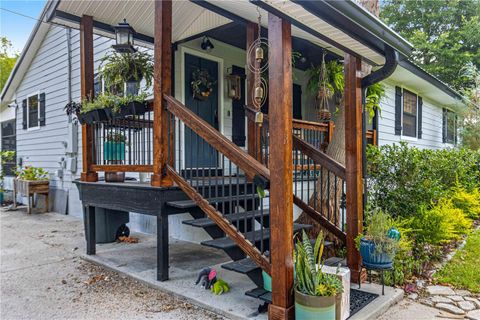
point(233, 217)
point(188, 204)
point(242, 266)
point(260, 293)
point(227, 243)
point(334, 261)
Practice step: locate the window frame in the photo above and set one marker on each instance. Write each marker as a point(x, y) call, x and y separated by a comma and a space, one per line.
point(454, 115)
point(37, 127)
point(403, 135)
point(14, 136)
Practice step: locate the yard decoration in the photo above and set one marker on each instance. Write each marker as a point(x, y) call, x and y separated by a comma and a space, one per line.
point(207, 278)
point(380, 242)
point(315, 291)
point(202, 84)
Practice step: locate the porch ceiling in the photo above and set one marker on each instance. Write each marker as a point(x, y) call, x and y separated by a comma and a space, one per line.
point(195, 17)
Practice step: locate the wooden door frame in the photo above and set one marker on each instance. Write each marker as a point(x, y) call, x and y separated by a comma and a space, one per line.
point(186, 50)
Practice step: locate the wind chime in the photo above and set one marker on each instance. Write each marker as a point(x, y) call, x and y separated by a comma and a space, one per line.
point(258, 65)
point(324, 92)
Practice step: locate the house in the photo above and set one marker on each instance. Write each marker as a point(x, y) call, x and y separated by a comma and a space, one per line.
point(58, 66)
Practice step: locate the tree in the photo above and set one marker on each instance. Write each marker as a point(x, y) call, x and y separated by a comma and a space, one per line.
point(445, 34)
point(470, 132)
point(7, 60)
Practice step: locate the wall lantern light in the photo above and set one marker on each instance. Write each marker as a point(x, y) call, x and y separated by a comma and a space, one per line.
point(234, 86)
point(207, 45)
point(124, 37)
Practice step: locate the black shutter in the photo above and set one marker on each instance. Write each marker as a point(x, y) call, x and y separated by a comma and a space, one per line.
point(24, 116)
point(456, 131)
point(444, 126)
point(238, 111)
point(420, 111)
point(42, 109)
point(398, 111)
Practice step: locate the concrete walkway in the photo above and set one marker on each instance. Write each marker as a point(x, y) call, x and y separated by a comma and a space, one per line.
point(43, 277)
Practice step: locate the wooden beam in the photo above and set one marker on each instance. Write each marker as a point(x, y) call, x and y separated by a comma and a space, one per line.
point(162, 85)
point(87, 92)
point(253, 129)
point(281, 190)
point(353, 160)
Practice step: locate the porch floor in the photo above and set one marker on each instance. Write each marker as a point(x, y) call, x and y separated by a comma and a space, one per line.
point(186, 259)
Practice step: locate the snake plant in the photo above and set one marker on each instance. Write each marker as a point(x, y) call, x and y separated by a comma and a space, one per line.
point(310, 279)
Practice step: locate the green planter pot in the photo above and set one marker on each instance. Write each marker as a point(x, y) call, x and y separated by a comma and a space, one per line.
point(314, 307)
point(114, 151)
point(267, 280)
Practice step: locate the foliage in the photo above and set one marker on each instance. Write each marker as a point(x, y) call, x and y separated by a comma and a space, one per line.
point(116, 137)
point(310, 279)
point(462, 270)
point(31, 173)
point(445, 34)
point(116, 68)
point(468, 202)
point(334, 76)
point(440, 224)
point(111, 101)
point(374, 96)
point(470, 133)
point(403, 179)
point(5, 156)
point(7, 60)
point(378, 222)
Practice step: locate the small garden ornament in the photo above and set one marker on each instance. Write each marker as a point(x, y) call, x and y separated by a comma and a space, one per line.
point(207, 278)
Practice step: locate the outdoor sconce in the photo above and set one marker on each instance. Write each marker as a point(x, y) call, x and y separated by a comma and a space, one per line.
point(207, 45)
point(124, 38)
point(234, 86)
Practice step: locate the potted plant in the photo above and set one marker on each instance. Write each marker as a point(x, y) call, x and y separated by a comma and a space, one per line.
point(379, 242)
point(31, 180)
point(4, 157)
point(73, 109)
point(130, 68)
point(130, 105)
point(114, 153)
point(315, 290)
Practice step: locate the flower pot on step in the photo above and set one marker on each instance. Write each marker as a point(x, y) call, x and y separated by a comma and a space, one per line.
point(373, 259)
point(314, 307)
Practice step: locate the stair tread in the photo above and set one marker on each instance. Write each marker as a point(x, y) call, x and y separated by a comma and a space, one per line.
point(260, 293)
point(207, 222)
point(226, 242)
point(187, 204)
point(243, 266)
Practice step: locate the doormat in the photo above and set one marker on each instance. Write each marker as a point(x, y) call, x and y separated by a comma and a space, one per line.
point(359, 299)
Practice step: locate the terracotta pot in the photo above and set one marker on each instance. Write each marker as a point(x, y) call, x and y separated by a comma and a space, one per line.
point(114, 176)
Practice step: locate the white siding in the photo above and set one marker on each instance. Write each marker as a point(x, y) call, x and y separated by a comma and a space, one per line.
point(431, 123)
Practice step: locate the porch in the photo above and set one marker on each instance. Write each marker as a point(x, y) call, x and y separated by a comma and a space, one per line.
point(183, 141)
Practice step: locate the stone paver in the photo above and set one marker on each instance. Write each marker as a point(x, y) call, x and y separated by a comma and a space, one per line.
point(413, 296)
point(474, 300)
point(474, 315)
point(440, 299)
point(455, 298)
point(449, 308)
point(466, 305)
point(440, 290)
point(463, 293)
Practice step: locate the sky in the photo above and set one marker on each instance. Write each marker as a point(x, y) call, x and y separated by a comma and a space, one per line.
point(15, 27)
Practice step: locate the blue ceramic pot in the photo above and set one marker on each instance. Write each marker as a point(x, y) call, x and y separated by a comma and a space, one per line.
point(313, 307)
point(114, 151)
point(373, 259)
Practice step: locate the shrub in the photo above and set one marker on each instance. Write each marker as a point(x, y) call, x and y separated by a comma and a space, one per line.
point(468, 202)
point(440, 224)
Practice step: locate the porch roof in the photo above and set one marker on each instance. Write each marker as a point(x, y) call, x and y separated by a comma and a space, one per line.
point(340, 29)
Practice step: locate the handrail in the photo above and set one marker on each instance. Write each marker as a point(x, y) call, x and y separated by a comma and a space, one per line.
point(249, 165)
point(304, 124)
point(328, 163)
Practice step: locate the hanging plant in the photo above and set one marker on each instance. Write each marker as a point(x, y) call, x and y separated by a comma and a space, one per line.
point(375, 94)
point(202, 84)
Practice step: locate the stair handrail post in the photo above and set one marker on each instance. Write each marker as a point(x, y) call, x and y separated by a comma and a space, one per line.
point(87, 92)
point(353, 160)
point(281, 190)
point(162, 84)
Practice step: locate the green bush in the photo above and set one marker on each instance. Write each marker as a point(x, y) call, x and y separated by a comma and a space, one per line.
point(468, 202)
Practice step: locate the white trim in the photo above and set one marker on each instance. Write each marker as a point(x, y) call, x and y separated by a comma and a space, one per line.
point(38, 111)
point(220, 61)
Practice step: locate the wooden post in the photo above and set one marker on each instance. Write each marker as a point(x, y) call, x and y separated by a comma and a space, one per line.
point(87, 91)
point(253, 129)
point(162, 85)
point(353, 160)
point(281, 190)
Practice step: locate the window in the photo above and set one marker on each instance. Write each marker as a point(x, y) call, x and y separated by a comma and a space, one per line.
point(409, 113)
point(9, 144)
point(33, 111)
point(449, 126)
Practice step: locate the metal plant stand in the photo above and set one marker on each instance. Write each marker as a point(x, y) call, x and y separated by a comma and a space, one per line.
point(378, 269)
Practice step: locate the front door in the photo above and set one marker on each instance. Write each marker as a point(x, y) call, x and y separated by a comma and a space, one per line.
point(198, 154)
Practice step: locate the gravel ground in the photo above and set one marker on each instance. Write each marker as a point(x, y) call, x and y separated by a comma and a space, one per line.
point(42, 277)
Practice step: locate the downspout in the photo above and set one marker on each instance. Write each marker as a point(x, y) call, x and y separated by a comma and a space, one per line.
point(391, 62)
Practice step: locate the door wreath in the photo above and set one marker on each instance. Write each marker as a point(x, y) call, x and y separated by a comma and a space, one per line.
point(202, 84)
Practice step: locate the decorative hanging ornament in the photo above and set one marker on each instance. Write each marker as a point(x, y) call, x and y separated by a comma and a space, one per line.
point(324, 93)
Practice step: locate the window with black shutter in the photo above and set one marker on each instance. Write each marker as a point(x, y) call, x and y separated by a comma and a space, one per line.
point(449, 126)
point(34, 113)
point(409, 124)
point(9, 143)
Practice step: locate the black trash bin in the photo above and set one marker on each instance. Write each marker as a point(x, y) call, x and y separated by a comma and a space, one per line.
point(109, 224)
